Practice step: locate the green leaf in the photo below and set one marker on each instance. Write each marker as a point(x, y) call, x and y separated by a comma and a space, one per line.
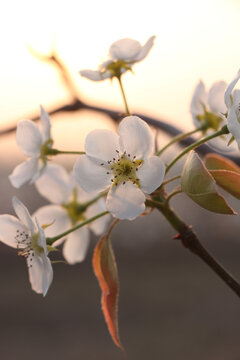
point(105, 269)
point(228, 180)
point(218, 162)
point(200, 186)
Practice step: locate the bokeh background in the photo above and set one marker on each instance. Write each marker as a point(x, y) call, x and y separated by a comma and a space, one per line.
point(171, 305)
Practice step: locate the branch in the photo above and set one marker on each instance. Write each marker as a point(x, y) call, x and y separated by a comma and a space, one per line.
point(77, 104)
point(190, 240)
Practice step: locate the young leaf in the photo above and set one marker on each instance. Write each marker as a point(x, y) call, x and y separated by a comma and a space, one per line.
point(105, 269)
point(200, 186)
point(218, 162)
point(228, 180)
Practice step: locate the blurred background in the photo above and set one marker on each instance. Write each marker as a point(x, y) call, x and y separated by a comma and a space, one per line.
point(171, 305)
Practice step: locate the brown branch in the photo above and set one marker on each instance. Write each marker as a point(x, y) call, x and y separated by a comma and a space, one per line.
point(190, 240)
point(77, 105)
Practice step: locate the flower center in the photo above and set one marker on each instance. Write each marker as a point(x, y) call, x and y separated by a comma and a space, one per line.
point(210, 120)
point(124, 169)
point(27, 246)
point(75, 210)
point(44, 152)
point(115, 67)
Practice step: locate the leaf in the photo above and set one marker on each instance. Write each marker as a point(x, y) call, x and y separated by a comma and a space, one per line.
point(200, 186)
point(105, 269)
point(218, 162)
point(228, 180)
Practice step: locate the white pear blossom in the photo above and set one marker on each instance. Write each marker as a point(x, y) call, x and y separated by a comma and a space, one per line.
point(232, 101)
point(68, 209)
point(34, 143)
point(122, 163)
point(122, 55)
point(207, 108)
point(28, 237)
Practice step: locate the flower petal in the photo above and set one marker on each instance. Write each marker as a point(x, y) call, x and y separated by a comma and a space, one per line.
point(29, 138)
point(75, 247)
point(145, 49)
point(23, 215)
point(24, 172)
point(10, 227)
point(228, 92)
point(216, 97)
point(125, 201)
point(102, 145)
point(199, 99)
point(233, 124)
point(47, 274)
point(56, 216)
point(55, 184)
point(35, 272)
point(46, 124)
point(98, 226)
point(135, 137)
point(95, 75)
point(151, 174)
point(91, 177)
point(125, 49)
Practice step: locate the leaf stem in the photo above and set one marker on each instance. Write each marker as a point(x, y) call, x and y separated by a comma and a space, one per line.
point(190, 240)
point(224, 130)
point(123, 95)
point(51, 240)
point(179, 138)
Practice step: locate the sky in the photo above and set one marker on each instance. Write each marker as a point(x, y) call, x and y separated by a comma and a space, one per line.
point(194, 40)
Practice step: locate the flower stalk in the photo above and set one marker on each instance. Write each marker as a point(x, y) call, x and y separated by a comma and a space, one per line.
point(51, 240)
point(224, 130)
point(179, 138)
point(123, 95)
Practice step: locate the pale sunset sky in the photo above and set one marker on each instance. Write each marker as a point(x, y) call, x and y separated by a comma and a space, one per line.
point(194, 40)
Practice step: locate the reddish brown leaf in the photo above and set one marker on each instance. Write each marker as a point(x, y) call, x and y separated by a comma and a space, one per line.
point(105, 269)
point(228, 180)
point(218, 162)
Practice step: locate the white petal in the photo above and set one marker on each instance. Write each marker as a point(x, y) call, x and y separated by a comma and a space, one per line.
point(75, 247)
point(29, 138)
point(135, 137)
point(102, 145)
point(125, 201)
point(125, 49)
point(233, 124)
point(41, 237)
point(98, 226)
point(56, 216)
point(46, 124)
point(55, 184)
point(145, 49)
point(23, 214)
point(227, 97)
point(236, 99)
point(35, 272)
point(24, 172)
point(216, 97)
point(199, 99)
point(40, 273)
point(91, 177)
point(10, 228)
point(95, 75)
point(151, 174)
point(83, 196)
point(47, 274)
